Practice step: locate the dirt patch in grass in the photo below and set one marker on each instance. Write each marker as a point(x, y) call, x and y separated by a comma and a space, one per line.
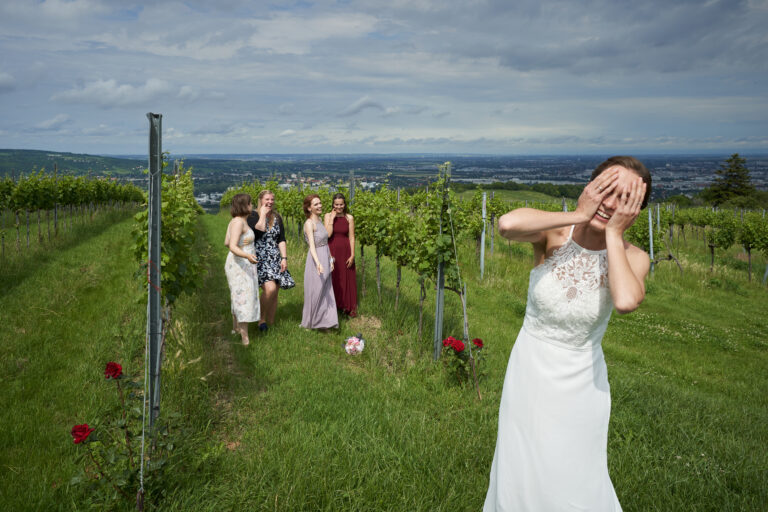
point(368, 325)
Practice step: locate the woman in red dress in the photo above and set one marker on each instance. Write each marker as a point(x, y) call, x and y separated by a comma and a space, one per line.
point(341, 226)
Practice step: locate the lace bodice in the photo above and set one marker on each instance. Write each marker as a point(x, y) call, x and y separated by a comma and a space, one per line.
point(569, 303)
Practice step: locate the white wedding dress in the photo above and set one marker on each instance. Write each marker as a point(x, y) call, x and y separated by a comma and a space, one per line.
point(551, 449)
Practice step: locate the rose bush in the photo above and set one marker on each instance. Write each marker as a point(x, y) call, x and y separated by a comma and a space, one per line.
point(110, 462)
point(459, 361)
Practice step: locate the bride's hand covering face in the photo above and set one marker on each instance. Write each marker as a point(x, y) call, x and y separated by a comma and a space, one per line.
point(596, 191)
point(626, 205)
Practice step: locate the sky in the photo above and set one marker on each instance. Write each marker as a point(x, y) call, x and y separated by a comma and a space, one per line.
point(386, 76)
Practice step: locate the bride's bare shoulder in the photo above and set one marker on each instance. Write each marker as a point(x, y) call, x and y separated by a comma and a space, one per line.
point(551, 240)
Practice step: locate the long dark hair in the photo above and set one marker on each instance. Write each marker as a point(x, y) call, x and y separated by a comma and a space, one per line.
point(339, 195)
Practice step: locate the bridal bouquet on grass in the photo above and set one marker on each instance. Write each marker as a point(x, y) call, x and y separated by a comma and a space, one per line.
point(354, 344)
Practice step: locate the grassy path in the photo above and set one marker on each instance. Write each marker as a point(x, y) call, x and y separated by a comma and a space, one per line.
point(305, 427)
point(293, 423)
point(64, 315)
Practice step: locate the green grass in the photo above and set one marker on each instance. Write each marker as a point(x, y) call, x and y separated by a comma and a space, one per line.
point(66, 314)
point(293, 423)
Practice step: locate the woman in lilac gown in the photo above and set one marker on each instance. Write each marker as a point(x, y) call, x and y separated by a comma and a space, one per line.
point(319, 304)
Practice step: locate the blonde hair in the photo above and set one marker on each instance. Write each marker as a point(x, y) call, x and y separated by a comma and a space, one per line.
point(271, 216)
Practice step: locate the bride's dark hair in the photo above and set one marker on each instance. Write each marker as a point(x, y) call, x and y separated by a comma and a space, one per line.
point(631, 163)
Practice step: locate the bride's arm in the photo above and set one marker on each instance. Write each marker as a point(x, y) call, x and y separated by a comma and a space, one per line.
point(530, 225)
point(627, 265)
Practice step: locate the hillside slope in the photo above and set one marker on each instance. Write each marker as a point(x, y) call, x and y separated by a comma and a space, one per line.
point(293, 423)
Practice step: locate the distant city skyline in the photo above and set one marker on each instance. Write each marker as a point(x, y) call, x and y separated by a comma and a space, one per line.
point(444, 77)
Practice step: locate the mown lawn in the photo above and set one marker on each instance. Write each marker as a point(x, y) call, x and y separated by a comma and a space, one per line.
point(293, 423)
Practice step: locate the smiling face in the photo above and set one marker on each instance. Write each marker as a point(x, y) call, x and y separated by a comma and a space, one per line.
point(268, 200)
point(611, 202)
point(338, 206)
point(316, 206)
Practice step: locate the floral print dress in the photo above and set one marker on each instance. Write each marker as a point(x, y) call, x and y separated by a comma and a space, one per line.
point(243, 282)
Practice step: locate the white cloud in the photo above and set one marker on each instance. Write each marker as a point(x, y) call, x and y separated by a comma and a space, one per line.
point(397, 75)
point(189, 93)
point(108, 93)
point(358, 106)
point(54, 123)
point(286, 33)
point(7, 83)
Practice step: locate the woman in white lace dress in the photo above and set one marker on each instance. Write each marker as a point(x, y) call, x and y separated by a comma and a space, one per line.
point(240, 267)
point(551, 449)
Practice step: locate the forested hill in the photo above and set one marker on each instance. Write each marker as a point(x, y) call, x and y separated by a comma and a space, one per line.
point(16, 161)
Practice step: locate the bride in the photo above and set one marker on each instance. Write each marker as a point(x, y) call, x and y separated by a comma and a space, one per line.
point(551, 449)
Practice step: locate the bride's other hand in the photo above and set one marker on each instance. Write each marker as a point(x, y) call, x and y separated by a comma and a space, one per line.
point(628, 207)
point(595, 192)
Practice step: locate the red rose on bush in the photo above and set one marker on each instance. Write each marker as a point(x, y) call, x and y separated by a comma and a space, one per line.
point(113, 370)
point(458, 346)
point(81, 432)
point(449, 341)
point(478, 342)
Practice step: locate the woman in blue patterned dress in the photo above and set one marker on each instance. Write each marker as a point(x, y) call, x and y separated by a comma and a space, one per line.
point(271, 250)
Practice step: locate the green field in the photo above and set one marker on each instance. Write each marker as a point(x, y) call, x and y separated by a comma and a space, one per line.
point(293, 423)
point(513, 195)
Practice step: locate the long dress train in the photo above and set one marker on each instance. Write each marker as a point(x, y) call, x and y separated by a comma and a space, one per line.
point(319, 304)
point(551, 449)
point(243, 282)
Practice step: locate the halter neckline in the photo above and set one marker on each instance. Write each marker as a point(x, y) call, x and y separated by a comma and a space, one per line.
point(593, 251)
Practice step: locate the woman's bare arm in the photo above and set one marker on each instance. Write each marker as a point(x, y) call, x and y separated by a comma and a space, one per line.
point(627, 265)
point(530, 225)
point(309, 232)
point(351, 260)
point(237, 227)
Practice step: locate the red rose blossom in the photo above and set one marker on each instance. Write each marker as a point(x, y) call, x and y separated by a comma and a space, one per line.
point(458, 346)
point(449, 341)
point(81, 432)
point(113, 370)
point(478, 342)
